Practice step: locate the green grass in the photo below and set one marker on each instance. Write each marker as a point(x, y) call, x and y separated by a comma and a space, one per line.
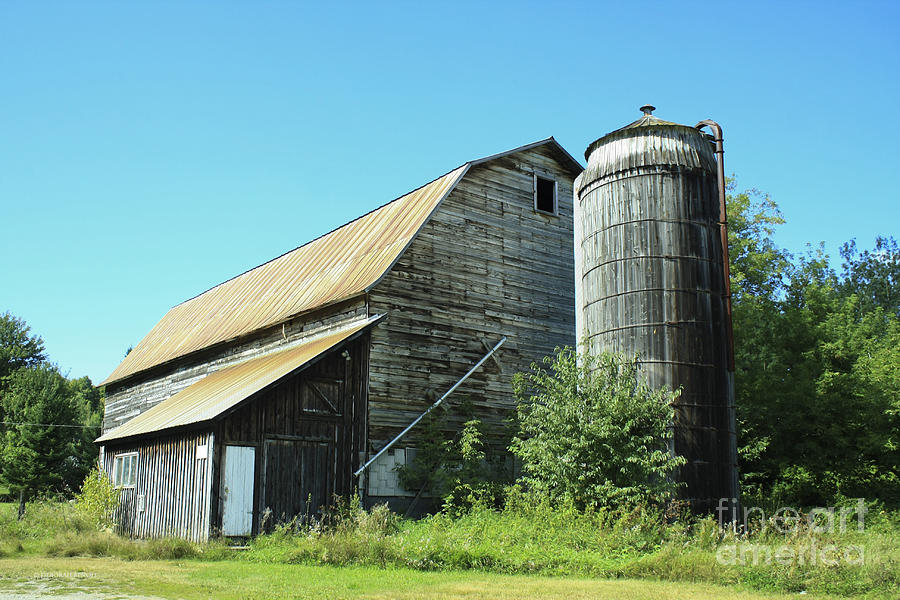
point(527, 538)
point(234, 579)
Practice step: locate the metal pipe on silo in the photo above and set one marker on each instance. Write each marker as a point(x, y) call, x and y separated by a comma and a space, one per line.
point(723, 228)
point(651, 280)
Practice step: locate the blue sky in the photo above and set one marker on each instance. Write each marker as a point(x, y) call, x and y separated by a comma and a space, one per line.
point(149, 151)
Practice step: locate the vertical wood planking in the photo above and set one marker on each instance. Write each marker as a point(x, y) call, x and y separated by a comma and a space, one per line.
point(292, 422)
point(173, 483)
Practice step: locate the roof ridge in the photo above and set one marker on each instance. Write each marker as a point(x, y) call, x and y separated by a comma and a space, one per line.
point(573, 162)
point(377, 208)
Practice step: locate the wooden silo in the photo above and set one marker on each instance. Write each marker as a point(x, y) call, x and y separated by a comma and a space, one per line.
point(650, 279)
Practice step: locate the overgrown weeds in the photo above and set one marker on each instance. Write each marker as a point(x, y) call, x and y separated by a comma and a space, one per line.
point(43, 518)
point(531, 535)
point(104, 543)
point(63, 529)
point(527, 535)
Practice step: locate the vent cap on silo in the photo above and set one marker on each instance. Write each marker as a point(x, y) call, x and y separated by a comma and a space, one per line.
point(647, 120)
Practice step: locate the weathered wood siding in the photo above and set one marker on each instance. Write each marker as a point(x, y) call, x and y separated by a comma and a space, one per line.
point(308, 433)
point(171, 493)
point(486, 265)
point(129, 398)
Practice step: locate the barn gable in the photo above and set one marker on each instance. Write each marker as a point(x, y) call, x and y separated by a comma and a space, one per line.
point(487, 264)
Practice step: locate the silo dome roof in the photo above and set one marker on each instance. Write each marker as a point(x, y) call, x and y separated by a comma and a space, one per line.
point(649, 142)
point(647, 120)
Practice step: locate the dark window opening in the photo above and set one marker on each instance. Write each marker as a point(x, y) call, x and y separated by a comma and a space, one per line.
point(545, 195)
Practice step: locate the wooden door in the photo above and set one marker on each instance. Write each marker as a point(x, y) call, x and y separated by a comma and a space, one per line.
point(237, 490)
point(299, 479)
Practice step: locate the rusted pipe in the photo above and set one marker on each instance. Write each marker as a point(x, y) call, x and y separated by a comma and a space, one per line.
point(723, 232)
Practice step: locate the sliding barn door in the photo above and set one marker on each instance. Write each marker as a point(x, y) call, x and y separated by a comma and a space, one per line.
point(299, 479)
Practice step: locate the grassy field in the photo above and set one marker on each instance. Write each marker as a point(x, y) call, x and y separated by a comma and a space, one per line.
point(239, 579)
point(521, 551)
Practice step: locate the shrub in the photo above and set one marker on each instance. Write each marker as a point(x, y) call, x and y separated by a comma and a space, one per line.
point(98, 499)
point(594, 432)
point(462, 470)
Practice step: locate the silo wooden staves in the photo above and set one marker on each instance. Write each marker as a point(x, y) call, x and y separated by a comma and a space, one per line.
point(650, 279)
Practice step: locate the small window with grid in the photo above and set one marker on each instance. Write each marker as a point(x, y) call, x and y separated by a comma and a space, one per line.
point(125, 470)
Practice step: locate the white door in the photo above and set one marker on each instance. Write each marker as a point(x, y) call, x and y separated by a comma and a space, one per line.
point(237, 490)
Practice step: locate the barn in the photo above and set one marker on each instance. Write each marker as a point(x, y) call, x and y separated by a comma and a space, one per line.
point(259, 399)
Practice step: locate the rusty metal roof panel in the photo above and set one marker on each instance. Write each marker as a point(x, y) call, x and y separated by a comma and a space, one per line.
point(224, 389)
point(340, 265)
point(337, 266)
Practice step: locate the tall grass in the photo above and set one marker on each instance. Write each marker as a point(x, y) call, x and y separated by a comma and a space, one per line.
point(58, 529)
point(528, 535)
point(531, 536)
point(42, 519)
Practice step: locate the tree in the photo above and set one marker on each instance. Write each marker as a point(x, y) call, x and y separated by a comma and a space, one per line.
point(758, 265)
point(816, 365)
point(88, 401)
point(758, 271)
point(34, 457)
point(593, 432)
point(49, 421)
point(873, 276)
point(18, 349)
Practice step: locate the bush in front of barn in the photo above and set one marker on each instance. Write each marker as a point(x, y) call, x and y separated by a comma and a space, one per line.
point(98, 499)
point(593, 432)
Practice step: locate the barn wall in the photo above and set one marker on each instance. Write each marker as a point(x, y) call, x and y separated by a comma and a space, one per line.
point(171, 492)
point(486, 265)
point(126, 400)
point(294, 412)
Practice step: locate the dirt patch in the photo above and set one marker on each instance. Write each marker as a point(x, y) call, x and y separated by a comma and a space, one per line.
point(60, 588)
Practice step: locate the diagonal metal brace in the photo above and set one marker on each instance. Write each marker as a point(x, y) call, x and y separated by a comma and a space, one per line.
point(430, 408)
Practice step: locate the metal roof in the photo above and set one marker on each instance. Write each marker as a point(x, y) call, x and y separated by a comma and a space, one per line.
point(224, 389)
point(337, 266)
point(334, 267)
